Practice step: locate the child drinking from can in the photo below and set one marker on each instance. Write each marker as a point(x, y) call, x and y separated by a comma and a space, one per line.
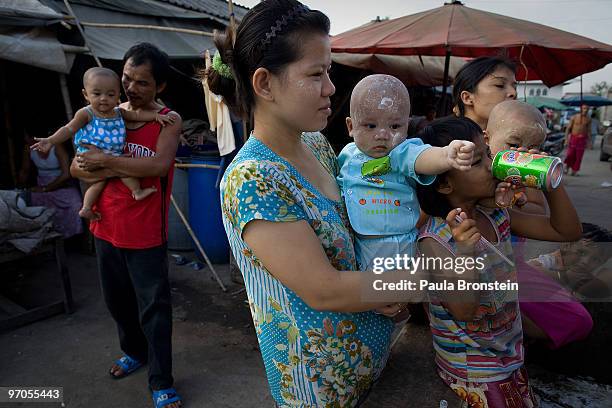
point(550, 314)
point(477, 335)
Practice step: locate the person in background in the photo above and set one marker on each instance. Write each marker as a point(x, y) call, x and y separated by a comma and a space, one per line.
point(480, 85)
point(430, 115)
point(577, 137)
point(54, 187)
point(131, 235)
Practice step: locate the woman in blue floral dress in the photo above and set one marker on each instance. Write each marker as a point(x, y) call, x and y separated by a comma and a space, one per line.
point(321, 344)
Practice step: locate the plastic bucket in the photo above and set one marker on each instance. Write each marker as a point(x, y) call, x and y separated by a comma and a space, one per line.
point(205, 210)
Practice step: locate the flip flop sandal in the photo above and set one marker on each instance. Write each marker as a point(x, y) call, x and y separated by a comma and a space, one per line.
point(128, 365)
point(163, 398)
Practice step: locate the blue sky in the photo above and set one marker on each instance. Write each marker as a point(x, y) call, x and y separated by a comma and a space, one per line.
point(590, 18)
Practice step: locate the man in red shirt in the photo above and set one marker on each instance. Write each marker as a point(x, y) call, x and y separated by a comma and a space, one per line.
point(131, 235)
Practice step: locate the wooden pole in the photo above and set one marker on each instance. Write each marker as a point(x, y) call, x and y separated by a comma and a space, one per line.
point(398, 336)
point(197, 242)
point(526, 73)
point(147, 27)
point(232, 19)
point(75, 49)
point(78, 24)
point(442, 109)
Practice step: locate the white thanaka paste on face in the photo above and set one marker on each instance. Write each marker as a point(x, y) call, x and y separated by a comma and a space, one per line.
point(383, 133)
point(398, 138)
point(377, 99)
point(385, 103)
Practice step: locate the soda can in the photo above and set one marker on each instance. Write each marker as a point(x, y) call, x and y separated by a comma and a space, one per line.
point(528, 169)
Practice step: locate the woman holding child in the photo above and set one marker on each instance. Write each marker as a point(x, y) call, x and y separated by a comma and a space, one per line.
point(321, 342)
point(284, 216)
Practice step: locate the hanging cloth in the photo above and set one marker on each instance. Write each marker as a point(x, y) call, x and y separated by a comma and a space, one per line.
point(218, 116)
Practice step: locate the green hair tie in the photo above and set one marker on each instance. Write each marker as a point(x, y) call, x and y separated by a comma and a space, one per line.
point(222, 68)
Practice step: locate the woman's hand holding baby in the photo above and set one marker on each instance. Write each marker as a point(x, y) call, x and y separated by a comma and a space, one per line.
point(396, 311)
point(460, 154)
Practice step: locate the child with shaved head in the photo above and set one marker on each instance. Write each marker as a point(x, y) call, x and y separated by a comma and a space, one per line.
point(515, 124)
point(379, 171)
point(101, 124)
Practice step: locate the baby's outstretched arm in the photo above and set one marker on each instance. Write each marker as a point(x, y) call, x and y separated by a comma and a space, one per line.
point(436, 160)
point(44, 144)
point(146, 116)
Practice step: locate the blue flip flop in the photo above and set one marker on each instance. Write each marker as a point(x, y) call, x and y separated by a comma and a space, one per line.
point(162, 398)
point(128, 365)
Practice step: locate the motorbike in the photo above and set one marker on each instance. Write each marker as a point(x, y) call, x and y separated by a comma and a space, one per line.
point(554, 143)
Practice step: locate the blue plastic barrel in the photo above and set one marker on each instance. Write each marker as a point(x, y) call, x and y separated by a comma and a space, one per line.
point(205, 210)
point(178, 237)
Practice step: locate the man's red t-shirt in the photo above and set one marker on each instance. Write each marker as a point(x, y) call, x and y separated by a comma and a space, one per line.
point(125, 222)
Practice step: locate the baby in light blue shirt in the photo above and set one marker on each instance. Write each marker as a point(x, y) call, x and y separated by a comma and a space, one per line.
point(379, 171)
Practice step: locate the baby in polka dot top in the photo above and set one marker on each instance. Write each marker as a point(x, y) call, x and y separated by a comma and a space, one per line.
point(101, 124)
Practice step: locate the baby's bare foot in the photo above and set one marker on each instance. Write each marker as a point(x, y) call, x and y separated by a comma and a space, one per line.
point(143, 193)
point(88, 214)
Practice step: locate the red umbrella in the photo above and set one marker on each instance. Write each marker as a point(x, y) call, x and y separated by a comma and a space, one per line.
point(545, 53)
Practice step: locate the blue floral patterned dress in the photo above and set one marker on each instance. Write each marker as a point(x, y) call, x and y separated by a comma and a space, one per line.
point(312, 358)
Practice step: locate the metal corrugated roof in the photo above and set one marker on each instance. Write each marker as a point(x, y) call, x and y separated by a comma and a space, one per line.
point(218, 8)
point(111, 42)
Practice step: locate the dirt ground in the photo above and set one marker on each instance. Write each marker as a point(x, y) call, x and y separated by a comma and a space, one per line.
point(216, 357)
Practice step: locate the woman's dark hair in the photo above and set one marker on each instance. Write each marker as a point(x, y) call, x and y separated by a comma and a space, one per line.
point(269, 36)
point(143, 53)
point(470, 75)
point(441, 132)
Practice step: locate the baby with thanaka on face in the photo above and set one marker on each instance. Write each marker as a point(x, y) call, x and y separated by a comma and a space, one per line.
point(380, 169)
point(517, 125)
